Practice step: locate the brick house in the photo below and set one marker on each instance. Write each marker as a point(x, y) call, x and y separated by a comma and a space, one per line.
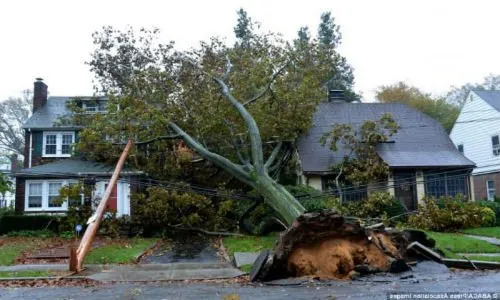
point(476, 134)
point(50, 164)
point(423, 161)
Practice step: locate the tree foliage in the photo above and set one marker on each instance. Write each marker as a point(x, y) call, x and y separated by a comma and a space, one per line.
point(13, 113)
point(361, 163)
point(234, 106)
point(437, 108)
point(457, 95)
point(5, 184)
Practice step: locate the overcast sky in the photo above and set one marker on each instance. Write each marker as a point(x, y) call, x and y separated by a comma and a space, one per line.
point(430, 44)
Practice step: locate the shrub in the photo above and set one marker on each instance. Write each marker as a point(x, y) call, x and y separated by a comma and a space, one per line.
point(377, 205)
point(32, 233)
point(161, 209)
point(494, 206)
point(11, 223)
point(312, 199)
point(451, 215)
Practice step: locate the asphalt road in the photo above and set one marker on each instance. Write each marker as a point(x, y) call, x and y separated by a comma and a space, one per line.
point(375, 287)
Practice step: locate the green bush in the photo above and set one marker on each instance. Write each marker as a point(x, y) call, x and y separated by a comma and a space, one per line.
point(32, 233)
point(451, 214)
point(312, 199)
point(377, 205)
point(160, 210)
point(494, 206)
point(11, 223)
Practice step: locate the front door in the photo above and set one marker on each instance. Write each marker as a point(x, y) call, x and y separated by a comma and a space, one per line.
point(405, 189)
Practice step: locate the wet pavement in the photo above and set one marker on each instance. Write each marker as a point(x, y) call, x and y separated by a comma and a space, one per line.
point(190, 249)
point(463, 281)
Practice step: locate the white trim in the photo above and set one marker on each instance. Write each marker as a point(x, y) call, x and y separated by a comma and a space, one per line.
point(31, 148)
point(489, 189)
point(59, 139)
point(122, 196)
point(45, 195)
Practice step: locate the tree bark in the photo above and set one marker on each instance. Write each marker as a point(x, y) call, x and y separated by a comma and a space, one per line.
point(276, 196)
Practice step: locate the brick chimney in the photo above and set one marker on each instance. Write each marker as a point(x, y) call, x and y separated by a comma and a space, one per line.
point(39, 94)
point(13, 162)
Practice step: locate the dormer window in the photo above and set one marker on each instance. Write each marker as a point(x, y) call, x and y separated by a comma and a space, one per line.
point(58, 144)
point(94, 106)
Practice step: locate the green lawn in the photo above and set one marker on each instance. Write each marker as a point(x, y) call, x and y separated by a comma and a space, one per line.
point(10, 251)
point(484, 231)
point(458, 243)
point(27, 273)
point(249, 243)
point(121, 252)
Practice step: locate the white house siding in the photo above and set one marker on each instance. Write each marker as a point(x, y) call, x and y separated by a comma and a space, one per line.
point(314, 181)
point(482, 121)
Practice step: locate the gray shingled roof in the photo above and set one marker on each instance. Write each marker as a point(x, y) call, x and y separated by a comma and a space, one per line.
point(73, 167)
point(420, 142)
point(491, 97)
point(46, 117)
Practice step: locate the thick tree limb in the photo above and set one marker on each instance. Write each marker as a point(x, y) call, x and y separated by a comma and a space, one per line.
point(253, 129)
point(235, 169)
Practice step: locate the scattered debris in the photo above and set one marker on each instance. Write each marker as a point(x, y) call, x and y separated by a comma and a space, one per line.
point(424, 252)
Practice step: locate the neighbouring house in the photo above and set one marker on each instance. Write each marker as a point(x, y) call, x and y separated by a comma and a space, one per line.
point(423, 161)
point(7, 198)
point(476, 134)
point(50, 164)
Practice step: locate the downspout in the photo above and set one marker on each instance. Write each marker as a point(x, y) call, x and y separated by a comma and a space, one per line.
point(31, 147)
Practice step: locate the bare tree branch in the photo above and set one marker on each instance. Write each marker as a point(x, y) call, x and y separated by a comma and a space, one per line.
point(274, 154)
point(268, 87)
point(162, 137)
point(225, 77)
point(244, 161)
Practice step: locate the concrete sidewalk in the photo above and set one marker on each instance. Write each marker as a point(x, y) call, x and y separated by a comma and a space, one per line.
point(142, 272)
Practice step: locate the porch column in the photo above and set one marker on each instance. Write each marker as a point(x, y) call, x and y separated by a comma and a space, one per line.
point(420, 186)
point(472, 194)
point(390, 184)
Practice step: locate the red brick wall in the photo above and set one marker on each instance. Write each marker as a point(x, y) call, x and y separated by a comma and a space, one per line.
point(480, 191)
point(20, 186)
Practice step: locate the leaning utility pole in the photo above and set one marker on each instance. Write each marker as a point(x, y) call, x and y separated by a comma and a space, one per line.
point(77, 257)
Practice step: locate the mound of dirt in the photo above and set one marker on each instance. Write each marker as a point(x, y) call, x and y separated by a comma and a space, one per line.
point(327, 245)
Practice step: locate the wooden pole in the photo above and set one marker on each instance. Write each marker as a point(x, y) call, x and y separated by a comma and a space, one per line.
point(95, 220)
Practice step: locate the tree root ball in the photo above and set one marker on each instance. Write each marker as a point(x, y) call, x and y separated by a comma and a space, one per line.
point(329, 246)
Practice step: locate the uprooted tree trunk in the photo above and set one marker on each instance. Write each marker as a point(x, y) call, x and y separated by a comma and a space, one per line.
point(253, 171)
point(327, 245)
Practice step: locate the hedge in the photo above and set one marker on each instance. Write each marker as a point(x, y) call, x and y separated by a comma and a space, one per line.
point(10, 223)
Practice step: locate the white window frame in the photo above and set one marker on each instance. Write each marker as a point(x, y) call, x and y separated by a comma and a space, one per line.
point(59, 139)
point(490, 189)
point(495, 150)
point(45, 195)
point(95, 109)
